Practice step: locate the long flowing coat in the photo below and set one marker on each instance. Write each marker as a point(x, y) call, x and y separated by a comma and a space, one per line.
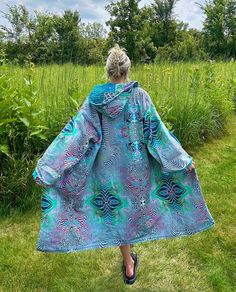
point(116, 175)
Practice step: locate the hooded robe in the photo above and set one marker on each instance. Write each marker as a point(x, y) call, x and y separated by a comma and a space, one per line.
point(116, 175)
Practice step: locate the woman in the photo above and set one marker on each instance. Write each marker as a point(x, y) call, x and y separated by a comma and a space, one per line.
point(115, 175)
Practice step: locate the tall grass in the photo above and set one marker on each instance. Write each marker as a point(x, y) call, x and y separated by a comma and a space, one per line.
point(195, 101)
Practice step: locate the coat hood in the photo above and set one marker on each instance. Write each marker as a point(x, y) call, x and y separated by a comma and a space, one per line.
point(110, 98)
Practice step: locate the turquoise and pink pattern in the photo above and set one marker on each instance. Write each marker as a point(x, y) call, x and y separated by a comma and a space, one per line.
point(116, 175)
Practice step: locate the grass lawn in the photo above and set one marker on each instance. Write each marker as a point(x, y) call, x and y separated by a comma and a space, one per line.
point(201, 262)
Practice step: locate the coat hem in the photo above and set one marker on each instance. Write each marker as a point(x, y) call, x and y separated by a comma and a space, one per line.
point(133, 241)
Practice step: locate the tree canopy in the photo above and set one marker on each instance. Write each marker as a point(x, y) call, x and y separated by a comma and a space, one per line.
point(148, 33)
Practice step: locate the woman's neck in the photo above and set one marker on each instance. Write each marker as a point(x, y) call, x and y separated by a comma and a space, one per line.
point(118, 80)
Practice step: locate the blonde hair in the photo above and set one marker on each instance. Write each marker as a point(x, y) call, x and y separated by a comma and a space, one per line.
point(118, 63)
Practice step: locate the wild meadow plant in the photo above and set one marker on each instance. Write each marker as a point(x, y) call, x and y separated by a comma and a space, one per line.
point(195, 100)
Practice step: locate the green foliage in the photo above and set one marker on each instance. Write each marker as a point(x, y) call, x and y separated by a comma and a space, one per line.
point(50, 38)
point(18, 17)
point(187, 48)
point(195, 105)
point(94, 30)
point(220, 27)
point(215, 88)
point(125, 26)
point(20, 127)
point(67, 33)
point(151, 33)
point(232, 90)
point(17, 189)
point(164, 26)
point(194, 100)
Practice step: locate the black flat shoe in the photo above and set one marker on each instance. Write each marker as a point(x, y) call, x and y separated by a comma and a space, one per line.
point(130, 280)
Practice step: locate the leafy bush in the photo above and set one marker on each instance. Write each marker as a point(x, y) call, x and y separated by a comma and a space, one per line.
point(21, 130)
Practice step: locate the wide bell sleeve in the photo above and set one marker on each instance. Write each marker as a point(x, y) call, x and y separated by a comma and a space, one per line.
point(80, 136)
point(161, 143)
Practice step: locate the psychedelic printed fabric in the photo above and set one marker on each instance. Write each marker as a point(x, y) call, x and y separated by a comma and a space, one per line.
point(116, 175)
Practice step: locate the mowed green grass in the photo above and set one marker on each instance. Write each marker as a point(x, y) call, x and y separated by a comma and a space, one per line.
point(201, 262)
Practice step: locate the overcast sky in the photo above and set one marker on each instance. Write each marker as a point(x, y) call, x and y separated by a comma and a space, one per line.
point(93, 10)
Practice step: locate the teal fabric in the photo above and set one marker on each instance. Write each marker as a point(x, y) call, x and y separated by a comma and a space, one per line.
point(116, 175)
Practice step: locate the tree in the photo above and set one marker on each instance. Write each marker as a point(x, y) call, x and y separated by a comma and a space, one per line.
point(163, 22)
point(16, 35)
point(18, 17)
point(93, 30)
point(92, 43)
point(125, 24)
point(188, 47)
point(42, 40)
point(230, 21)
point(68, 34)
point(220, 27)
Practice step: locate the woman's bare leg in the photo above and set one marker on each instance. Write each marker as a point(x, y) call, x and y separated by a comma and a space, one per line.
point(128, 260)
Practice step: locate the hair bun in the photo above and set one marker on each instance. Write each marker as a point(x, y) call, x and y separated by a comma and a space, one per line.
point(118, 63)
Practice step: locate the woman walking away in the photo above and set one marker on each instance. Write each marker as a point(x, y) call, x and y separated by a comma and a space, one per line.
point(116, 176)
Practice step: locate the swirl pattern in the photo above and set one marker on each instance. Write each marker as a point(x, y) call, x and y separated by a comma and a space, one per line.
point(116, 175)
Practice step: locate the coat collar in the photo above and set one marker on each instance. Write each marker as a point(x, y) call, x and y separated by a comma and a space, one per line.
point(110, 98)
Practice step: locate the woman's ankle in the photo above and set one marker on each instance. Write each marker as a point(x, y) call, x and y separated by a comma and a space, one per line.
point(129, 261)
